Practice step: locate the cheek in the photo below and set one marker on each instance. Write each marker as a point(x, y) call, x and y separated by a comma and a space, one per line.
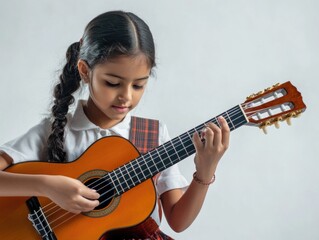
point(102, 93)
point(138, 96)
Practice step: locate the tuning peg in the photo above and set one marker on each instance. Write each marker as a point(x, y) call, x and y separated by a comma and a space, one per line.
point(264, 128)
point(277, 124)
point(267, 89)
point(288, 120)
point(276, 85)
point(251, 96)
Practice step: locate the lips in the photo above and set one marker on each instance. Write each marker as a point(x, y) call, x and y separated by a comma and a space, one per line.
point(120, 109)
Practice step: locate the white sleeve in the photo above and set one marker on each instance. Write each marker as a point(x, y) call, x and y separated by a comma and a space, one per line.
point(30, 146)
point(171, 178)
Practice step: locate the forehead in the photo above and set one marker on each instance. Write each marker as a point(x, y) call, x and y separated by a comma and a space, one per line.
point(125, 66)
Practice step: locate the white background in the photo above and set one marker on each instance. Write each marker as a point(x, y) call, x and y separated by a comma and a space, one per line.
point(211, 54)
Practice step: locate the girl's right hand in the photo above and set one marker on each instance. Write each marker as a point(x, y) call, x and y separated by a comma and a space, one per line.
point(70, 194)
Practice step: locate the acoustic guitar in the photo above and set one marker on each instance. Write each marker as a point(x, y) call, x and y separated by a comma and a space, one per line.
point(123, 177)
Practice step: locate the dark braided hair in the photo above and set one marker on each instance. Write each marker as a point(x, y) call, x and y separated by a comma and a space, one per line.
point(107, 36)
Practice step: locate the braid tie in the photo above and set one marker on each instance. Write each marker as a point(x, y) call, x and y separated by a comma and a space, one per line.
point(69, 83)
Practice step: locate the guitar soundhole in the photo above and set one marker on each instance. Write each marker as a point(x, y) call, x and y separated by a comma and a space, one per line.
point(95, 179)
point(104, 189)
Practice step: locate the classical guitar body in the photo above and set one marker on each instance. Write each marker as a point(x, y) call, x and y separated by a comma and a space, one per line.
point(105, 155)
point(122, 176)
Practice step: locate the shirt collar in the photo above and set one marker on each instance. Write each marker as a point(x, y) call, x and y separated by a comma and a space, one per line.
point(80, 122)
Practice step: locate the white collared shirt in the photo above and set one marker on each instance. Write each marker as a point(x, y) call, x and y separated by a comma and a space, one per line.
point(79, 134)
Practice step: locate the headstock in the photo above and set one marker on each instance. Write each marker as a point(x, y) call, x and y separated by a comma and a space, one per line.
point(280, 102)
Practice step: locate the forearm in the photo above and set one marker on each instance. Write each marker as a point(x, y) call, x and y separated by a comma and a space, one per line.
point(210, 146)
point(12, 184)
point(186, 209)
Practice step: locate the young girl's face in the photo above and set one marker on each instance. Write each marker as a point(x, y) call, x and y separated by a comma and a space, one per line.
point(116, 87)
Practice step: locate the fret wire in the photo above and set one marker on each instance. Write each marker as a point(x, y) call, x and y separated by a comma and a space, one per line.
point(163, 146)
point(134, 182)
point(170, 148)
point(139, 165)
point(147, 165)
point(151, 162)
point(115, 187)
point(233, 112)
point(182, 143)
point(129, 175)
point(118, 179)
point(176, 153)
point(227, 116)
point(188, 134)
point(216, 121)
point(143, 167)
point(143, 157)
point(156, 149)
point(123, 183)
point(132, 167)
point(126, 180)
point(243, 122)
point(177, 147)
point(150, 153)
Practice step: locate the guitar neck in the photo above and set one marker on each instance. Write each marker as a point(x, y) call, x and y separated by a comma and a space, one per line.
point(164, 156)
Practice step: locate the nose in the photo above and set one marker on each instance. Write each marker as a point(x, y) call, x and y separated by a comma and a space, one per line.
point(125, 94)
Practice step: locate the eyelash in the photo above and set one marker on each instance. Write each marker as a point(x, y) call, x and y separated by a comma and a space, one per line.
point(138, 87)
point(114, 85)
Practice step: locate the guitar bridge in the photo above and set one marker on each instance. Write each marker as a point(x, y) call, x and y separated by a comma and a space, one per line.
point(38, 219)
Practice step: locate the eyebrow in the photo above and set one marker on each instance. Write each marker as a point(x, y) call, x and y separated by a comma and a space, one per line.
point(114, 75)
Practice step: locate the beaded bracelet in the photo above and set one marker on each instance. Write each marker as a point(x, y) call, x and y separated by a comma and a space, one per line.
point(196, 179)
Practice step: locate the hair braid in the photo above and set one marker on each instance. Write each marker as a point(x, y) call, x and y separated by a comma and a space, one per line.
point(107, 36)
point(69, 83)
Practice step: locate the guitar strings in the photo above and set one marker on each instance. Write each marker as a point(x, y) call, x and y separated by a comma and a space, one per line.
point(167, 149)
point(90, 185)
point(244, 107)
point(69, 217)
point(123, 176)
point(149, 158)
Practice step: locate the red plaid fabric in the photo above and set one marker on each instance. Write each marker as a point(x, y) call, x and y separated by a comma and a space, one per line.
point(148, 230)
point(144, 135)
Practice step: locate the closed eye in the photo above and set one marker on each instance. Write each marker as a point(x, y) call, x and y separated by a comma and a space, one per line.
point(137, 87)
point(109, 84)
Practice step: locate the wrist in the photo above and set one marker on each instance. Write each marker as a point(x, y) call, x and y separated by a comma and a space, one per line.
point(205, 173)
point(203, 181)
point(42, 184)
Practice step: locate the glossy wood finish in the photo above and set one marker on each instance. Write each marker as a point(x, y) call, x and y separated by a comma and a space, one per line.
point(107, 153)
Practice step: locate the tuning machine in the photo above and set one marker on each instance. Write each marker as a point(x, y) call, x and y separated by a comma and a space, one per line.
point(265, 125)
point(275, 121)
point(254, 95)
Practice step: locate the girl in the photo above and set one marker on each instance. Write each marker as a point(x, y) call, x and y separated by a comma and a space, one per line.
point(114, 57)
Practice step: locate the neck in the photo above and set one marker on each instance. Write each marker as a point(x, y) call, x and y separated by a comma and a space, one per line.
point(148, 165)
point(96, 116)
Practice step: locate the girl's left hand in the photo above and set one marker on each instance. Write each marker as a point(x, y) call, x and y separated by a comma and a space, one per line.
point(210, 151)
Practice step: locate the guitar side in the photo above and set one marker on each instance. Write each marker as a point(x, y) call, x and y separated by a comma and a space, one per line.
point(106, 154)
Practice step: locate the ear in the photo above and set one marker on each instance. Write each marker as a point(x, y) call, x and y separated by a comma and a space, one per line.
point(84, 70)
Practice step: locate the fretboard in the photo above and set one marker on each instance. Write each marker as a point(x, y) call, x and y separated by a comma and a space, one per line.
point(148, 165)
